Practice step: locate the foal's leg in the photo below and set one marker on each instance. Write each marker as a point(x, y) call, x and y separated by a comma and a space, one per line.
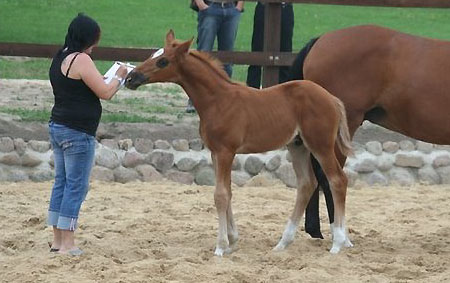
point(312, 223)
point(305, 181)
point(232, 231)
point(312, 220)
point(222, 198)
point(354, 120)
point(338, 184)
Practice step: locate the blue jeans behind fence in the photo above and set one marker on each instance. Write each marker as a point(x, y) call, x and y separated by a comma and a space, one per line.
point(221, 22)
point(74, 153)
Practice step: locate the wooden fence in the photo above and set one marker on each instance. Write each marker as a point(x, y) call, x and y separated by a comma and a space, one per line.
point(271, 59)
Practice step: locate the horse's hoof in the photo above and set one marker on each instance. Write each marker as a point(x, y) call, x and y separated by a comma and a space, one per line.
point(335, 250)
point(280, 246)
point(348, 244)
point(220, 252)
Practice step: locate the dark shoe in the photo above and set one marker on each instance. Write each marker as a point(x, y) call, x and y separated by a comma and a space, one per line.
point(190, 107)
point(52, 250)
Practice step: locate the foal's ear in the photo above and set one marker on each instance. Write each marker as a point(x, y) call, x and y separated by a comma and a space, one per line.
point(170, 37)
point(184, 47)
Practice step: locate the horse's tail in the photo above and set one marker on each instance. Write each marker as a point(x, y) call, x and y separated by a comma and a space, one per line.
point(344, 141)
point(296, 69)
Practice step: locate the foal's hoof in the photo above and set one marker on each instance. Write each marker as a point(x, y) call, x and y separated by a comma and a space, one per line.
point(335, 250)
point(221, 252)
point(281, 246)
point(337, 247)
point(348, 244)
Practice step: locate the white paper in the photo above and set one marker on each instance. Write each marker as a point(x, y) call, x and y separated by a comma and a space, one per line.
point(109, 75)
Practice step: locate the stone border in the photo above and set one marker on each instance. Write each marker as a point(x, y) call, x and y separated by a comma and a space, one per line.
point(188, 162)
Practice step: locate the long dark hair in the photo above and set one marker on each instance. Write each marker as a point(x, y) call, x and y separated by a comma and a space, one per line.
point(82, 33)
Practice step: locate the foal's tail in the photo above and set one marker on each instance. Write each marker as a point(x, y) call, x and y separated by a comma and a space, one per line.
point(343, 140)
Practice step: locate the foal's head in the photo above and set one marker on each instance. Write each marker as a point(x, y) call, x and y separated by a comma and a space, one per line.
point(161, 66)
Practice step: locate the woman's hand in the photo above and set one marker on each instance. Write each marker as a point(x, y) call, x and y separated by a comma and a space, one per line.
point(201, 5)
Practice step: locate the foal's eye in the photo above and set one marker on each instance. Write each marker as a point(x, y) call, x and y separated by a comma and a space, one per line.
point(162, 63)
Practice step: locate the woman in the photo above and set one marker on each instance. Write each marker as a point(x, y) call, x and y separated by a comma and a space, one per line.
point(78, 87)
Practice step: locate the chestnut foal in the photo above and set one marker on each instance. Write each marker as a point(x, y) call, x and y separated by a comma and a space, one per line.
point(239, 119)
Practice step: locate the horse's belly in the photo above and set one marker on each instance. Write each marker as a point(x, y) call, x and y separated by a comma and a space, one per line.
point(428, 126)
point(267, 141)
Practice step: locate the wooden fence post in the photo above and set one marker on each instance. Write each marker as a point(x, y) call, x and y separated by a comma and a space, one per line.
point(272, 27)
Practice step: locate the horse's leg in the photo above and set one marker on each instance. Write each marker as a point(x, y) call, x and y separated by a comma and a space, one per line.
point(312, 221)
point(232, 231)
point(354, 120)
point(305, 181)
point(338, 185)
point(222, 198)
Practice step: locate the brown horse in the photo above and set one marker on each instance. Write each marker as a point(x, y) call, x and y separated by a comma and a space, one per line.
point(237, 119)
point(396, 80)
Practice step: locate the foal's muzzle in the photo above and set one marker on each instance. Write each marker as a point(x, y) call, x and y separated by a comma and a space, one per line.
point(134, 80)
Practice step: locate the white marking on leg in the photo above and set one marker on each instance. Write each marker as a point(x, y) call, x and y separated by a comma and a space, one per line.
point(288, 236)
point(222, 237)
point(339, 237)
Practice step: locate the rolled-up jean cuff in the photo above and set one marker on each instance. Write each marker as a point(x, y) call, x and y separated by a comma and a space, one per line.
point(52, 219)
point(67, 223)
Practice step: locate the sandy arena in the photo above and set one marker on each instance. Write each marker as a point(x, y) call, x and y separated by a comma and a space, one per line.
point(165, 232)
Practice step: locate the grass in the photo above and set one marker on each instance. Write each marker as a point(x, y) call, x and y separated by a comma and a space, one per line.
point(39, 115)
point(139, 23)
point(43, 115)
point(143, 105)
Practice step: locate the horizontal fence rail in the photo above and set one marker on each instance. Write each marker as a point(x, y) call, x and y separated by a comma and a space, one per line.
point(140, 54)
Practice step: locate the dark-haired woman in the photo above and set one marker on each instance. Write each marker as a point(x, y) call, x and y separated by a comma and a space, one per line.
point(77, 87)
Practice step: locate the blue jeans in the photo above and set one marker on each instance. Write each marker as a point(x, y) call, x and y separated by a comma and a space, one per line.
point(221, 22)
point(74, 156)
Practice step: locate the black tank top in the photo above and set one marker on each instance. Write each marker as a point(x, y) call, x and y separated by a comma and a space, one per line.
point(76, 105)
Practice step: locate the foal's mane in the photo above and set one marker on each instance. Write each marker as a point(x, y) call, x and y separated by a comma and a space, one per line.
point(213, 63)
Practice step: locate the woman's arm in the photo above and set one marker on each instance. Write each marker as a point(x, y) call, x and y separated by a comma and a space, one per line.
point(88, 72)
